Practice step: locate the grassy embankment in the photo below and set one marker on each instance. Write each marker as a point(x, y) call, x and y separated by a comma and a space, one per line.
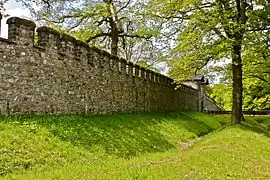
point(186, 145)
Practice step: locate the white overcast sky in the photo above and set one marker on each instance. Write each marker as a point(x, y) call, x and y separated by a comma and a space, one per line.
point(13, 8)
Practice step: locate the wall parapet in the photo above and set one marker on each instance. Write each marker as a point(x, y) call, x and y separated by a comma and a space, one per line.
point(19, 21)
point(63, 75)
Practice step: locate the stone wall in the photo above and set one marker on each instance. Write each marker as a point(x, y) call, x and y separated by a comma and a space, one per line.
point(211, 105)
point(62, 75)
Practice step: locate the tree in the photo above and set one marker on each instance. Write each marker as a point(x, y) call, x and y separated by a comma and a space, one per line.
point(213, 30)
point(256, 73)
point(2, 3)
point(98, 22)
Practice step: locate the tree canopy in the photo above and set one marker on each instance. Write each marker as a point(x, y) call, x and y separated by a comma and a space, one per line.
point(215, 30)
point(117, 25)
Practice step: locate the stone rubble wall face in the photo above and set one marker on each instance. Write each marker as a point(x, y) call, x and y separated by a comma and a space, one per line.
point(61, 75)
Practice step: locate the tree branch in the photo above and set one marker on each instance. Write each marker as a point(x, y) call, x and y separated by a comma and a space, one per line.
point(64, 17)
point(135, 36)
point(203, 65)
point(170, 17)
point(124, 6)
point(78, 23)
point(97, 36)
point(260, 63)
point(258, 77)
point(259, 29)
point(202, 6)
point(219, 33)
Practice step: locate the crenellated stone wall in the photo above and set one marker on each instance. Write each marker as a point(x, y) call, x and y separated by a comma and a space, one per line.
point(62, 75)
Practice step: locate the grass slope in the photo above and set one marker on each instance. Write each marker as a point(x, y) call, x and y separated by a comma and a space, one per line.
point(138, 146)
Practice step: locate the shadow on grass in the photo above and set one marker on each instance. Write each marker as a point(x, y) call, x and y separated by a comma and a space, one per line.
point(253, 125)
point(124, 135)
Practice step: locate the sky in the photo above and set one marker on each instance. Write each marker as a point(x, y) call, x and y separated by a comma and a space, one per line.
point(13, 8)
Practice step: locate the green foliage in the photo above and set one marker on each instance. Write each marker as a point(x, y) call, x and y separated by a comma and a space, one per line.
point(257, 71)
point(103, 24)
point(212, 31)
point(217, 155)
point(256, 94)
point(148, 66)
point(222, 94)
point(201, 39)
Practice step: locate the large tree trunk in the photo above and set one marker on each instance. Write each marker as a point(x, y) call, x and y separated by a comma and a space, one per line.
point(237, 114)
point(241, 18)
point(114, 37)
point(114, 43)
point(113, 19)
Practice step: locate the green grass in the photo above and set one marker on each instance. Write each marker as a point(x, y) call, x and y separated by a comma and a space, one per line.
point(263, 120)
point(133, 146)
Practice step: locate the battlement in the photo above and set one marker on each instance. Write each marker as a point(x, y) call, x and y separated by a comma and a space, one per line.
point(21, 31)
point(60, 74)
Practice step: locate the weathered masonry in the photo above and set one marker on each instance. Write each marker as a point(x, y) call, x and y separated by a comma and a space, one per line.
point(62, 75)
